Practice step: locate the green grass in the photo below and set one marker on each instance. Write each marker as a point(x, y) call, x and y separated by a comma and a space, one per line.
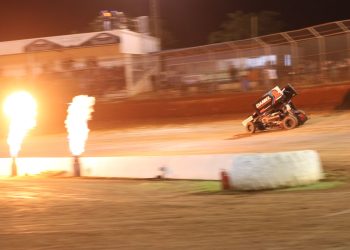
point(214, 187)
point(208, 186)
point(185, 186)
point(321, 185)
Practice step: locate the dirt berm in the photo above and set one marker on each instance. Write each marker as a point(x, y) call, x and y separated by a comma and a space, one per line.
point(325, 97)
point(108, 115)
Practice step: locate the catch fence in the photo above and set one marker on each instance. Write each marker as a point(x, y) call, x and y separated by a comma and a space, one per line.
point(309, 56)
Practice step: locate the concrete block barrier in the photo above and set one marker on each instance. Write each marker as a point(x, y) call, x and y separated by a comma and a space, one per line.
point(197, 167)
point(245, 171)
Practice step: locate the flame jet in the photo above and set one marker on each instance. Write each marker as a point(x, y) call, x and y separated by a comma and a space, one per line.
point(79, 112)
point(21, 110)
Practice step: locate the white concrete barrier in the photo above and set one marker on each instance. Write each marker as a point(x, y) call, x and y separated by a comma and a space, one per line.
point(35, 165)
point(246, 171)
point(5, 166)
point(200, 167)
point(274, 170)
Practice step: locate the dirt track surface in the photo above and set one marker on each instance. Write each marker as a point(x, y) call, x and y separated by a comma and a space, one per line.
point(110, 214)
point(114, 214)
point(328, 133)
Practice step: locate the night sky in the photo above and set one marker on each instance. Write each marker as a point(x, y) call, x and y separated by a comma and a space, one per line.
point(190, 21)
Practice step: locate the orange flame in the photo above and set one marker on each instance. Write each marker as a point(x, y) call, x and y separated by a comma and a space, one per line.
point(79, 112)
point(21, 109)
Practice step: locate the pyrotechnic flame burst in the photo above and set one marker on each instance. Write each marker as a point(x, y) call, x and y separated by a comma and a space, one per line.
point(21, 109)
point(79, 112)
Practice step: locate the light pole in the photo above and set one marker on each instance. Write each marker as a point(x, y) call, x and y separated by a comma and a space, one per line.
point(253, 26)
point(154, 13)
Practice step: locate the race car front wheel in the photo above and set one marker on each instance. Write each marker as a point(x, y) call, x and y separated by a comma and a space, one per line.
point(251, 127)
point(289, 122)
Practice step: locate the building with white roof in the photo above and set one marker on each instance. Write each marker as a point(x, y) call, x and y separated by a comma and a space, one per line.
point(113, 48)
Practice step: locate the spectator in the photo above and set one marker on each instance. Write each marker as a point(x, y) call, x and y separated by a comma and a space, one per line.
point(243, 75)
point(270, 76)
point(233, 73)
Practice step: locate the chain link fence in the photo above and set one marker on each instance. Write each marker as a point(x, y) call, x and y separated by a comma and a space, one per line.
point(310, 56)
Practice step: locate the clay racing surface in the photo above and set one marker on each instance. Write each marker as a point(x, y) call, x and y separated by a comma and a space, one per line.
point(68, 213)
point(328, 133)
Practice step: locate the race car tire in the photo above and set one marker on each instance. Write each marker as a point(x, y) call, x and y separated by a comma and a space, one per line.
point(289, 122)
point(275, 170)
point(251, 127)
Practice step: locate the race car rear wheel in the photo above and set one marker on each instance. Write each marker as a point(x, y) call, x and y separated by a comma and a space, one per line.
point(251, 127)
point(289, 122)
